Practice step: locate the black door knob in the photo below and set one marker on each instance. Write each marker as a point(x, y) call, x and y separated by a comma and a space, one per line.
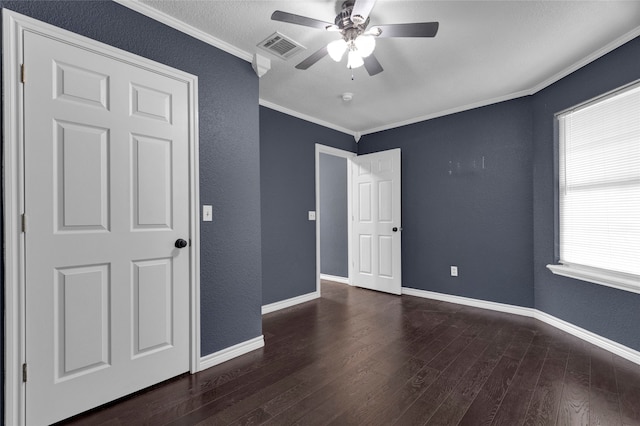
point(180, 243)
point(395, 229)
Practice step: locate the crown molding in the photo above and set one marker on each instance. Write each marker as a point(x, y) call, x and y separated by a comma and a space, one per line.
point(305, 117)
point(587, 60)
point(450, 111)
point(526, 92)
point(181, 26)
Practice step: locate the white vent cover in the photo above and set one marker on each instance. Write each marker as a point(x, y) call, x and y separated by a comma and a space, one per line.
point(280, 46)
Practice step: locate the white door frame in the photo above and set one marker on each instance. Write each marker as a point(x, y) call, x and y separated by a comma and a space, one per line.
point(14, 26)
point(323, 149)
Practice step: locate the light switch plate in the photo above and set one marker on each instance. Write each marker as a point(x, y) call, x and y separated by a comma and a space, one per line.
point(207, 213)
point(312, 215)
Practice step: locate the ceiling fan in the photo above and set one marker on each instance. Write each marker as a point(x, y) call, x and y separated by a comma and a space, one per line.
point(357, 41)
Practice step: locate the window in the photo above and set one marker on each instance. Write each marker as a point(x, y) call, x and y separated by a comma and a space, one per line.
point(599, 190)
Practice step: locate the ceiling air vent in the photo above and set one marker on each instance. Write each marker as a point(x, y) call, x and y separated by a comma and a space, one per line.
point(280, 46)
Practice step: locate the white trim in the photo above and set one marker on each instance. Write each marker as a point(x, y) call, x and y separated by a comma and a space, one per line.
point(276, 306)
point(183, 27)
point(261, 64)
point(446, 112)
point(627, 282)
point(231, 352)
point(526, 92)
point(305, 117)
point(14, 348)
point(14, 26)
point(587, 60)
point(335, 278)
point(477, 303)
point(194, 219)
point(586, 335)
point(209, 39)
point(323, 149)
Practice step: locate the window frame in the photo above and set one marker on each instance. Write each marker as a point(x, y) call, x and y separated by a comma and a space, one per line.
point(606, 277)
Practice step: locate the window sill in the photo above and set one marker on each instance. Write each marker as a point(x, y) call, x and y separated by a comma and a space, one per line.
point(627, 282)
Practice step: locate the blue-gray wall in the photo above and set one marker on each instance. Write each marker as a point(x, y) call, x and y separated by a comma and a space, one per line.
point(497, 225)
point(231, 274)
point(454, 212)
point(334, 232)
point(287, 171)
point(611, 313)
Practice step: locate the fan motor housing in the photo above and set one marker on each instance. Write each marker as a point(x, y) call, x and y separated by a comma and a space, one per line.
point(343, 19)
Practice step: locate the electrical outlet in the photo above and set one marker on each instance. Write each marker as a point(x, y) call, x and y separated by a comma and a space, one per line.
point(312, 215)
point(454, 271)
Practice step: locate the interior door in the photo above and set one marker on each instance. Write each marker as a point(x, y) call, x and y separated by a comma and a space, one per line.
point(377, 221)
point(106, 198)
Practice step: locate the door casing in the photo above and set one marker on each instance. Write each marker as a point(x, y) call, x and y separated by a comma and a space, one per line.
point(350, 156)
point(14, 26)
point(323, 149)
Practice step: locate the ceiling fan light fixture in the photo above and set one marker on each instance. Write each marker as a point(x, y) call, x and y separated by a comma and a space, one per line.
point(336, 49)
point(365, 44)
point(354, 60)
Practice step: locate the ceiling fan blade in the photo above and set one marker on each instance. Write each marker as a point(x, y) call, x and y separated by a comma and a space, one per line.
point(290, 18)
point(417, 29)
point(372, 65)
point(313, 59)
point(361, 10)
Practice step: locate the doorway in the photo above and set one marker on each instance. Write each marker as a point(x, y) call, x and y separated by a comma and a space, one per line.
point(333, 210)
point(374, 228)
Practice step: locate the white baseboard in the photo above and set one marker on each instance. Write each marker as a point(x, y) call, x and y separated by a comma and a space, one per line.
point(586, 335)
point(343, 280)
point(609, 345)
point(231, 352)
point(494, 306)
point(272, 307)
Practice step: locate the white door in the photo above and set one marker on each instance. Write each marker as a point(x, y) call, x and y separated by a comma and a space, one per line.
point(377, 221)
point(106, 198)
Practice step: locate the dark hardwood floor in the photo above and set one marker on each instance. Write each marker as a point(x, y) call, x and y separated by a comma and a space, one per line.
point(358, 357)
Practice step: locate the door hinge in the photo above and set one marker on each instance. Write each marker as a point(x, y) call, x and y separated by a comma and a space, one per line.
point(24, 372)
point(22, 74)
point(24, 223)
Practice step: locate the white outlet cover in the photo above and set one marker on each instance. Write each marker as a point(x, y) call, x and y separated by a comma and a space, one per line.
point(454, 271)
point(312, 215)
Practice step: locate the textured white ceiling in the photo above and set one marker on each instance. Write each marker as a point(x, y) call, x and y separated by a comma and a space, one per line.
point(485, 51)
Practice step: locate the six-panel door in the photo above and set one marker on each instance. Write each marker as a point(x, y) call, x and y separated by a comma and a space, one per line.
point(106, 197)
point(377, 221)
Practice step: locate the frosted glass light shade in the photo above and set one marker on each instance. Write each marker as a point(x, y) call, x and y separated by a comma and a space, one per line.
point(354, 60)
point(365, 44)
point(336, 49)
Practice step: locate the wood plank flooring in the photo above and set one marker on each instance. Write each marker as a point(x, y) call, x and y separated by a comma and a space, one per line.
point(358, 357)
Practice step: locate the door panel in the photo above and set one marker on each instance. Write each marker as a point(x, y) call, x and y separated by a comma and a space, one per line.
point(106, 195)
point(81, 85)
point(82, 176)
point(152, 177)
point(377, 212)
point(82, 320)
point(152, 314)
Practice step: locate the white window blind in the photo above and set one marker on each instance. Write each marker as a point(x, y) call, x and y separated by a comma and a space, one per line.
point(599, 176)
